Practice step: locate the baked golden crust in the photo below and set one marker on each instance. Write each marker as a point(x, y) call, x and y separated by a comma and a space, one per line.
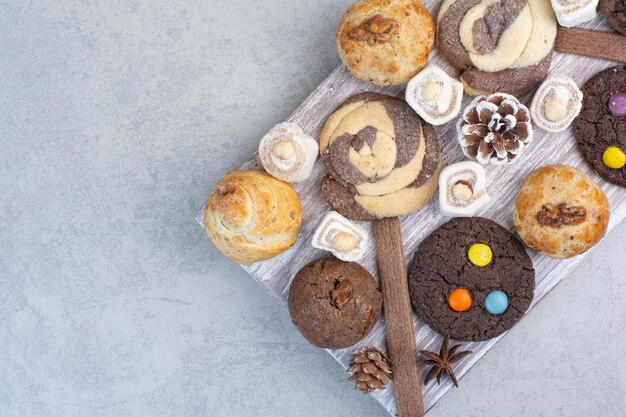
point(251, 216)
point(385, 42)
point(560, 211)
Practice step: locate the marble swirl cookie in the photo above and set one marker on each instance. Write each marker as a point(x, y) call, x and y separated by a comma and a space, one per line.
point(497, 45)
point(453, 295)
point(382, 159)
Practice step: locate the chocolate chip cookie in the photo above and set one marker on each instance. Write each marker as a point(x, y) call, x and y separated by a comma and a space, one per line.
point(459, 270)
point(334, 304)
point(600, 128)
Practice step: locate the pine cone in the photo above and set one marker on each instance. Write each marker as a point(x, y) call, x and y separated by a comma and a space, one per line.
point(372, 369)
point(494, 129)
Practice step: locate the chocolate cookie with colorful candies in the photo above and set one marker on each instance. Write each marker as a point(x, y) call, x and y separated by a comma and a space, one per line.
point(600, 128)
point(471, 279)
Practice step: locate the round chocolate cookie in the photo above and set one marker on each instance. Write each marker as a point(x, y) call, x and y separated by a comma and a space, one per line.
point(457, 297)
point(615, 13)
point(334, 304)
point(601, 124)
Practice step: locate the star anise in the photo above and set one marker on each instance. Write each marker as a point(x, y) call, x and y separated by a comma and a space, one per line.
point(441, 362)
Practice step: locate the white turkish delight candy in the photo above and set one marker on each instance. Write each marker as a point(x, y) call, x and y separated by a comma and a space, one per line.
point(462, 189)
point(346, 239)
point(434, 95)
point(556, 103)
point(287, 153)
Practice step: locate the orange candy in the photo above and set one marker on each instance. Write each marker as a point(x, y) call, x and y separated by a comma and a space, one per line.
point(460, 299)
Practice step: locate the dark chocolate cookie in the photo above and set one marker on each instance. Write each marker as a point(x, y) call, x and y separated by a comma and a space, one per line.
point(597, 128)
point(441, 268)
point(615, 13)
point(334, 304)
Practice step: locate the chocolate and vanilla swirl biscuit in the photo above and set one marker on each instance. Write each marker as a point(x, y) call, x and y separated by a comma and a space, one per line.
point(497, 45)
point(382, 159)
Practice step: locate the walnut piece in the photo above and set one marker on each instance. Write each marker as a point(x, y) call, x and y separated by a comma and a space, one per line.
point(561, 215)
point(342, 293)
point(376, 29)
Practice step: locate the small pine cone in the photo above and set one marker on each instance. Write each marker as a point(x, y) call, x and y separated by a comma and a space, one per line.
point(371, 369)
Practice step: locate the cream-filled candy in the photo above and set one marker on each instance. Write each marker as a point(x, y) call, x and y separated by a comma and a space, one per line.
point(462, 189)
point(287, 153)
point(574, 12)
point(434, 95)
point(556, 104)
point(346, 239)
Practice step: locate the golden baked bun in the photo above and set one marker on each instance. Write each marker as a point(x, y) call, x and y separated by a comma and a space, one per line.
point(560, 211)
point(252, 216)
point(385, 42)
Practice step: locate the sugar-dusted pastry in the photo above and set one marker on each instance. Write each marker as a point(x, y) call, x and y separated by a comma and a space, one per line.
point(471, 279)
point(574, 12)
point(560, 211)
point(334, 304)
point(434, 95)
point(346, 239)
point(462, 189)
point(600, 126)
point(287, 153)
point(382, 159)
point(251, 216)
point(385, 42)
point(497, 46)
point(556, 103)
point(494, 129)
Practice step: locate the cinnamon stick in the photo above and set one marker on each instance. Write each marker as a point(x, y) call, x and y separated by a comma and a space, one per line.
point(398, 317)
point(593, 43)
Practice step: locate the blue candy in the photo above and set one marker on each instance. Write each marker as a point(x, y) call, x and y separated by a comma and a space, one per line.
point(496, 302)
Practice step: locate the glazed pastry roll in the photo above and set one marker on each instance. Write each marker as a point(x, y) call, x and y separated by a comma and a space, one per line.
point(251, 216)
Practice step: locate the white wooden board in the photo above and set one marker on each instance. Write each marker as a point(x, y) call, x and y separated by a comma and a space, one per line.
point(503, 182)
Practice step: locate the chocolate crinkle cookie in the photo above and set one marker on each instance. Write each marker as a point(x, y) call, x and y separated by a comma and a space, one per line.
point(334, 304)
point(615, 13)
point(471, 279)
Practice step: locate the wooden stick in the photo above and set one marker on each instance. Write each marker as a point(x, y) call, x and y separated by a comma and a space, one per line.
point(398, 317)
point(604, 45)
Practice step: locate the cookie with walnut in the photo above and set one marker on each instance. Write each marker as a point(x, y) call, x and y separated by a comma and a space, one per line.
point(560, 212)
point(385, 42)
point(334, 304)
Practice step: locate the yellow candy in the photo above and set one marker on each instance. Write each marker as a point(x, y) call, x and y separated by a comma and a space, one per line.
point(480, 254)
point(614, 157)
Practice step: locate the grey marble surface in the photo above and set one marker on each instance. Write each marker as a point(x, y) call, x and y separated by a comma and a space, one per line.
point(117, 117)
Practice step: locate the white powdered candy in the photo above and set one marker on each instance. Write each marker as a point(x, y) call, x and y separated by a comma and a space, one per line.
point(346, 239)
point(574, 12)
point(556, 104)
point(434, 95)
point(462, 189)
point(287, 153)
